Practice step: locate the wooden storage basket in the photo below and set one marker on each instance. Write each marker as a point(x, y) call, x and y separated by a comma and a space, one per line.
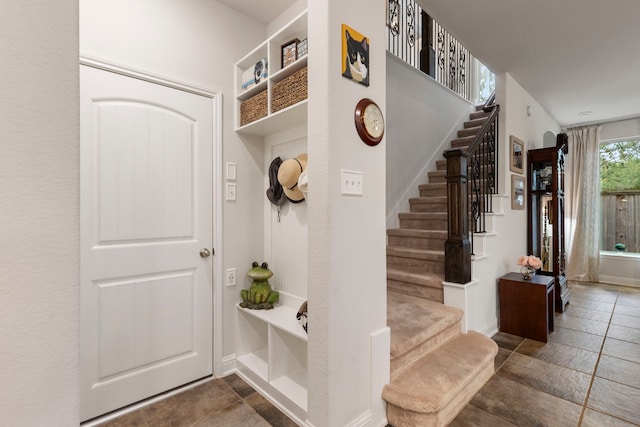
point(253, 108)
point(289, 91)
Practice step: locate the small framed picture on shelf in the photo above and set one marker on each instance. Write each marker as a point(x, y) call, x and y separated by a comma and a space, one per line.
point(303, 48)
point(289, 52)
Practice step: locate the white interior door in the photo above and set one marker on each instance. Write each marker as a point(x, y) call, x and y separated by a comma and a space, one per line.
point(146, 215)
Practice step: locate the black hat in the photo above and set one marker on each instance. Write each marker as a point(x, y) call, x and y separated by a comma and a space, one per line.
point(275, 193)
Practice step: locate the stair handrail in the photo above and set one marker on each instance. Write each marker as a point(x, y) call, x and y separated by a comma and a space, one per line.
point(477, 161)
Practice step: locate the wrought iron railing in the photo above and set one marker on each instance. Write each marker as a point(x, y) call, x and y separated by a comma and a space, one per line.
point(471, 182)
point(416, 38)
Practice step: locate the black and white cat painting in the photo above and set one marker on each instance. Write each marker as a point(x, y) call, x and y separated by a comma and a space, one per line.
point(357, 57)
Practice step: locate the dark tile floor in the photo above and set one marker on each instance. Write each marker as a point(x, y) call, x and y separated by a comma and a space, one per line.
point(221, 402)
point(588, 374)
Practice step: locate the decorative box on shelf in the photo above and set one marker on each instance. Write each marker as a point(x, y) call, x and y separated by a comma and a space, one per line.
point(303, 47)
point(253, 108)
point(255, 74)
point(289, 91)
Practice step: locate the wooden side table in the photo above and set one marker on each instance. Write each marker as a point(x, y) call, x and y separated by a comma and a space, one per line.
point(527, 307)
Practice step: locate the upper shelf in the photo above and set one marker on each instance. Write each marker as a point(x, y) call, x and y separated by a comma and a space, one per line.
point(272, 121)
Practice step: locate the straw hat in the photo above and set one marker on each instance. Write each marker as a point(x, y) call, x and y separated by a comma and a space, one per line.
point(288, 174)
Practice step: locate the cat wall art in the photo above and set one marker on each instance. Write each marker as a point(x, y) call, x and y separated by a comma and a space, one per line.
point(355, 55)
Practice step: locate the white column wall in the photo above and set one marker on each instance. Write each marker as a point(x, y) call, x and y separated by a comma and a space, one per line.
point(347, 272)
point(39, 187)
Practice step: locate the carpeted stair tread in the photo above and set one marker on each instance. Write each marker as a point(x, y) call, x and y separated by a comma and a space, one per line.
point(435, 380)
point(422, 215)
point(413, 275)
point(412, 232)
point(415, 320)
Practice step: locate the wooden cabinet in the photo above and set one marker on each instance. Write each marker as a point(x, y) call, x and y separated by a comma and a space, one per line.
point(526, 306)
point(545, 207)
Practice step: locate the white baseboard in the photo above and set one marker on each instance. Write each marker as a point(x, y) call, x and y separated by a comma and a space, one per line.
point(228, 364)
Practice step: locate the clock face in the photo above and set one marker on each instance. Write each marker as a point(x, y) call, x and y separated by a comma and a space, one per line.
point(369, 121)
point(373, 121)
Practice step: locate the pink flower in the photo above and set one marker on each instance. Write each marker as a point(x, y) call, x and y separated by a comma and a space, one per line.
point(530, 261)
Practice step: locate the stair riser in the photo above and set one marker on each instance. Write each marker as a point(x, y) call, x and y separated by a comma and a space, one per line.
point(398, 364)
point(462, 142)
point(418, 291)
point(428, 192)
point(479, 115)
point(441, 165)
point(434, 266)
point(436, 179)
point(429, 243)
point(467, 132)
point(424, 224)
point(474, 123)
point(397, 416)
point(428, 207)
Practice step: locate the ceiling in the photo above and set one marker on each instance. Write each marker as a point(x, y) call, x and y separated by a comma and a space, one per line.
point(263, 11)
point(572, 56)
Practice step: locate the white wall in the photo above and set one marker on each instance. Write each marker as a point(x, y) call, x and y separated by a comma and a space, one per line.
point(39, 183)
point(511, 228)
point(620, 129)
point(348, 348)
point(422, 118)
point(196, 42)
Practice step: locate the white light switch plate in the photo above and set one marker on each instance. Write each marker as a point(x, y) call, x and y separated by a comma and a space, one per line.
point(351, 183)
point(231, 171)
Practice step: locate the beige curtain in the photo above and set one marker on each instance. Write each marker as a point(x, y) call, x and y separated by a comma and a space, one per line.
point(582, 204)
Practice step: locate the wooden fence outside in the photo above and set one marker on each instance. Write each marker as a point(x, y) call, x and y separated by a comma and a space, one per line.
point(620, 213)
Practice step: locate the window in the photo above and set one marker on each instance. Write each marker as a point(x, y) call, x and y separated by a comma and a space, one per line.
point(620, 196)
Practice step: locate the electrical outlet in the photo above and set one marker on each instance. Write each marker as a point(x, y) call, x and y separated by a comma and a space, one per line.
point(231, 277)
point(231, 192)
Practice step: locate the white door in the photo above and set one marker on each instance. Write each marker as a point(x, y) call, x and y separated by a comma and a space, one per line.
point(145, 216)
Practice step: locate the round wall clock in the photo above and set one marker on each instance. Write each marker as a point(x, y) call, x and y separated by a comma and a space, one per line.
point(369, 121)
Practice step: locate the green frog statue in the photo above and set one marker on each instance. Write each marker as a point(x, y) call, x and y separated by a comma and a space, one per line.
point(259, 296)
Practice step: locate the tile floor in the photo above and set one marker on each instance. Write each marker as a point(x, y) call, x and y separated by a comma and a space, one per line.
point(588, 374)
point(222, 402)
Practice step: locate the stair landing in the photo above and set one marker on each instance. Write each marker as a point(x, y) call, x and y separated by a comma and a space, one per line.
point(435, 369)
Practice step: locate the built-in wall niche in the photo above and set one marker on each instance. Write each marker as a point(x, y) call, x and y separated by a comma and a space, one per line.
point(271, 345)
point(285, 238)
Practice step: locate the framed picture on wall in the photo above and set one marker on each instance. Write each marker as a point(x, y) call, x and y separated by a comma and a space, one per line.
point(355, 55)
point(516, 154)
point(517, 192)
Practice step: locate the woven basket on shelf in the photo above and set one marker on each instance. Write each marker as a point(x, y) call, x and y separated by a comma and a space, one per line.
point(253, 108)
point(289, 91)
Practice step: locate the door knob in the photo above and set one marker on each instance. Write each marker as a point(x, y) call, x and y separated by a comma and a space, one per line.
point(205, 253)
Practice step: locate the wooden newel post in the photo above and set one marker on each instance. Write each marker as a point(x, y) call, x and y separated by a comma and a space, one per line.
point(457, 248)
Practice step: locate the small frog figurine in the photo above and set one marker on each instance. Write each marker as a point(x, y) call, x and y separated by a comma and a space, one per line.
point(259, 296)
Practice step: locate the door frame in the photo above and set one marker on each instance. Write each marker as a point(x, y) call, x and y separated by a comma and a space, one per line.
point(216, 100)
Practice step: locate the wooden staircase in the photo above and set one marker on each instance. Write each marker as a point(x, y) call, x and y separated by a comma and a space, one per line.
point(415, 250)
point(435, 369)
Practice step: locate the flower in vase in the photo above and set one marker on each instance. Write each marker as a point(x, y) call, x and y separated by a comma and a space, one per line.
point(530, 261)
